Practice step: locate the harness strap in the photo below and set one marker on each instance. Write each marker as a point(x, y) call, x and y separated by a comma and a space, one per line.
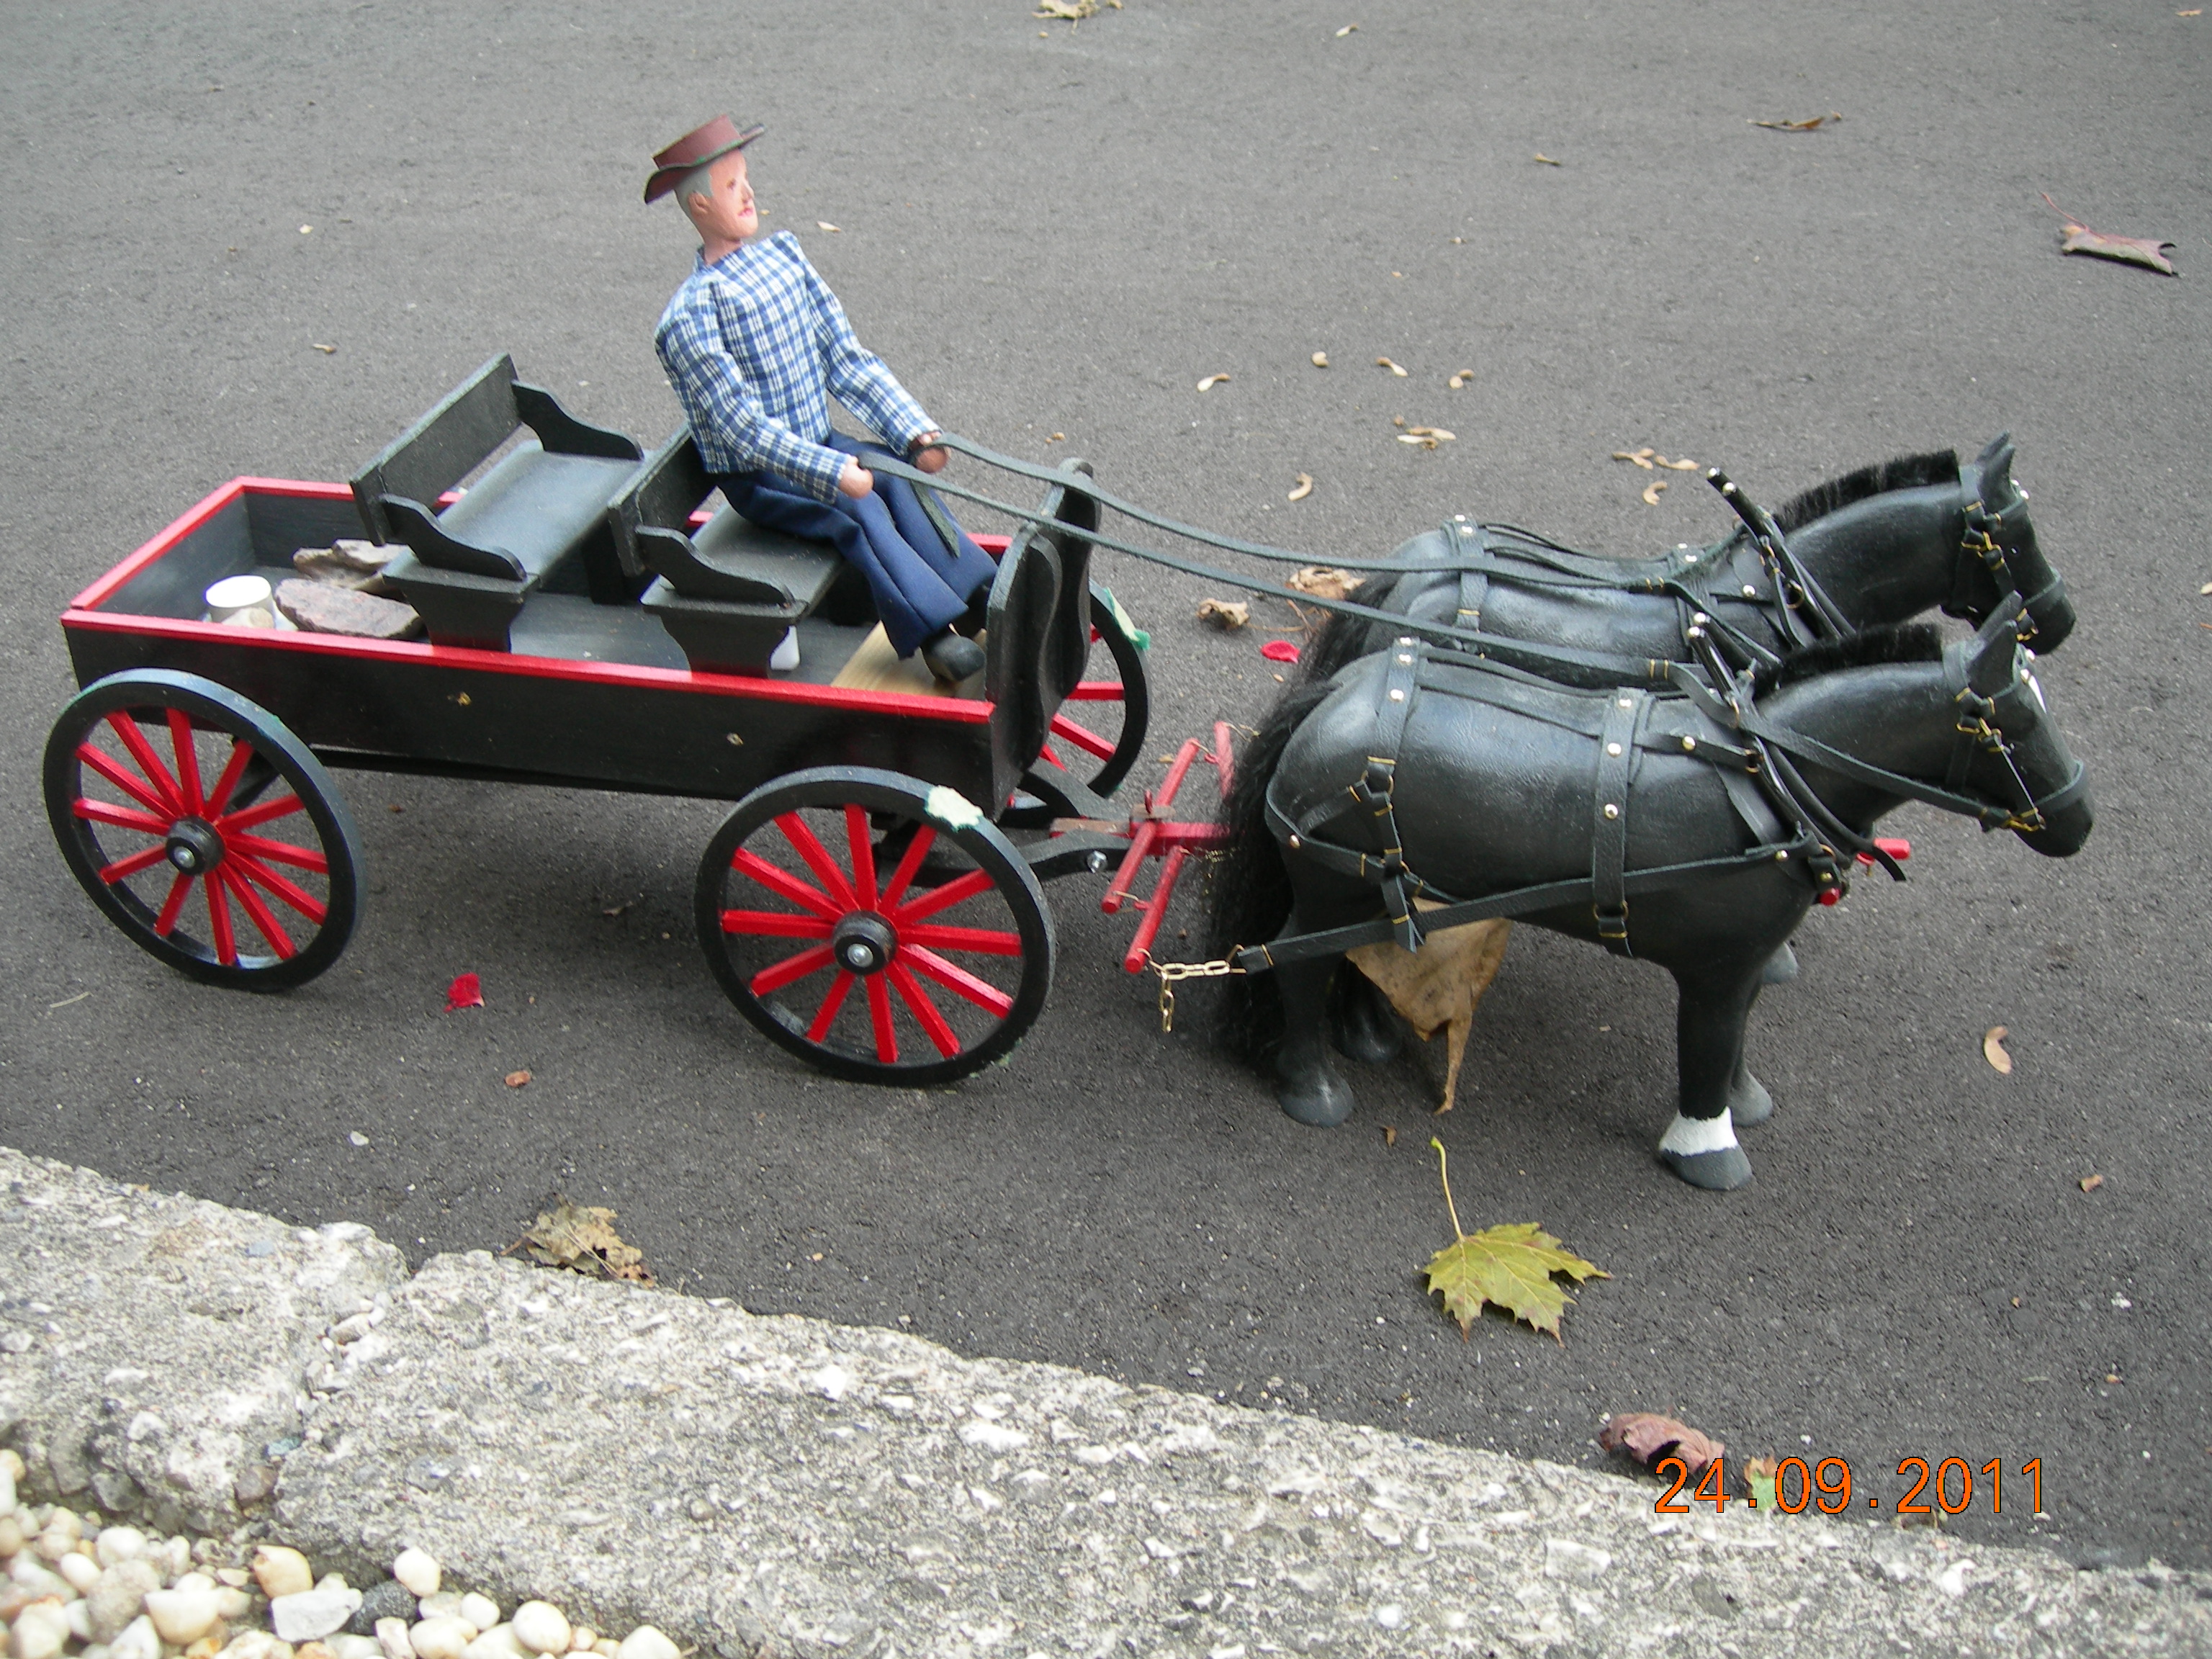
point(1616, 753)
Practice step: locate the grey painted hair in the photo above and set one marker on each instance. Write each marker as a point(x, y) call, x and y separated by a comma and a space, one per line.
point(700, 181)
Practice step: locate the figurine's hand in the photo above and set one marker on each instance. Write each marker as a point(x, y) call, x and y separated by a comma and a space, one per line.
point(929, 455)
point(855, 481)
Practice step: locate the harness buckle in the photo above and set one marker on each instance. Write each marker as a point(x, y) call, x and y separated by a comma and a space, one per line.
point(1611, 925)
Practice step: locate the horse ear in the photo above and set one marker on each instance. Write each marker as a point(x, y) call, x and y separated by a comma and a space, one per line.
point(1990, 664)
point(1993, 469)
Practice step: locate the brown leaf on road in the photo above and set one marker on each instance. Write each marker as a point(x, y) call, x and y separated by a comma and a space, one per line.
point(1349, 28)
point(327, 350)
point(1210, 381)
point(1301, 490)
point(1389, 1135)
point(2089, 1184)
point(1993, 1050)
point(1072, 11)
point(1227, 614)
point(1384, 363)
point(1436, 989)
point(2149, 252)
point(1547, 160)
point(1651, 1439)
point(1465, 377)
point(823, 224)
point(1812, 123)
point(583, 1240)
point(516, 1079)
point(1674, 466)
point(1325, 581)
point(1321, 359)
point(1640, 457)
point(1651, 493)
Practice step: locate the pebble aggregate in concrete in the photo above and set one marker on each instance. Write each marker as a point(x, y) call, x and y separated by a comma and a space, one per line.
point(778, 1485)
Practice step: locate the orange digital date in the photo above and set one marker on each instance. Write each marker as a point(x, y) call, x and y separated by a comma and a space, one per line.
point(1826, 1485)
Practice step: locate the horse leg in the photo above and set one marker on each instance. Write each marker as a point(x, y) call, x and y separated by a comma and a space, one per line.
point(1308, 1086)
point(1712, 1005)
point(1749, 1105)
point(1361, 1023)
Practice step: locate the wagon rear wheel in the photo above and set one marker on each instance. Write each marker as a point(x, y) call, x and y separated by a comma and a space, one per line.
point(1099, 732)
point(882, 930)
point(203, 829)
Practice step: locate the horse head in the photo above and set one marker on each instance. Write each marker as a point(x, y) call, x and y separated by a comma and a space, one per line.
point(1999, 553)
point(2020, 755)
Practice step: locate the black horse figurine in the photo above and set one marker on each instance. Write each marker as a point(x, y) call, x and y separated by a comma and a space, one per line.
point(1691, 828)
point(1879, 546)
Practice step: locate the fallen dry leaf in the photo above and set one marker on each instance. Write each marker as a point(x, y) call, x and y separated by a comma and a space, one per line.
point(327, 350)
point(1651, 1439)
point(614, 910)
point(1304, 487)
point(2147, 251)
point(2089, 1184)
point(1547, 160)
point(823, 224)
point(1072, 11)
point(1812, 124)
point(1279, 651)
point(1389, 1135)
point(584, 1240)
point(1321, 359)
point(1210, 381)
point(1465, 377)
point(1674, 466)
point(1384, 363)
point(1057, 438)
point(1511, 1266)
point(1993, 1050)
point(1325, 582)
point(1437, 988)
point(1349, 28)
point(1651, 492)
point(466, 992)
point(517, 1079)
point(2206, 589)
point(1227, 614)
point(1641, 456)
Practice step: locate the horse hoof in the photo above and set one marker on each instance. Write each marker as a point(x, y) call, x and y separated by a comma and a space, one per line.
point(1362, 1025)
point(1323, 1102)
point(1751, 1104)
point(1722, 1170)
point(1781, 968)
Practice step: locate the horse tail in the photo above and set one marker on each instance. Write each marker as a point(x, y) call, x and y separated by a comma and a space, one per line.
point(1250, 897)
point(1342, 639)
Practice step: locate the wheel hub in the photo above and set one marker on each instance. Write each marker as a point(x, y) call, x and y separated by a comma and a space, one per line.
point(863, 943)
point(193, 846)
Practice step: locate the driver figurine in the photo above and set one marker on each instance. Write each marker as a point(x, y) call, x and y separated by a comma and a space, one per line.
point(753, 342)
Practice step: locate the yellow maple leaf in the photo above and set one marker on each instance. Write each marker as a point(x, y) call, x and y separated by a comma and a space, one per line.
point(1511, 1265)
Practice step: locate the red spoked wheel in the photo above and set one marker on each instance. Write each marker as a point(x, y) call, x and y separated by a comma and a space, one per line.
point(1099, 732)
point(882, 930)
point(203, 829)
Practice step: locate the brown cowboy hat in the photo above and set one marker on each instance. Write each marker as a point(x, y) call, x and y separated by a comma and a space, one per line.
point(695, 149)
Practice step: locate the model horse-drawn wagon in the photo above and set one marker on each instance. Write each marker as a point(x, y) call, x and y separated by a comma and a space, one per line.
point(1676, 758)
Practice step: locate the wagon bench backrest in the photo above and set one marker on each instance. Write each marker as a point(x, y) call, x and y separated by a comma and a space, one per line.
point(1039, 631)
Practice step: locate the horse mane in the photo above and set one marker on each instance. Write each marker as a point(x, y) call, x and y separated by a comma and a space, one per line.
point(1912, 641)
point(1938, 466)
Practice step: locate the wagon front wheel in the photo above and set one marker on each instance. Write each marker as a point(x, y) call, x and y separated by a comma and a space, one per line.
point(882, 930)
point(203, 828)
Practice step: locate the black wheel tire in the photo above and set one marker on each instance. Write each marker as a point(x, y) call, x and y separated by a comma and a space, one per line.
point(793, 927)
point(164, 844)
point(1135, 699)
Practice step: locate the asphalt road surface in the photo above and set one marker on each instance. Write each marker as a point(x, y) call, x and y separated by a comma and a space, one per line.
point(1056, 229)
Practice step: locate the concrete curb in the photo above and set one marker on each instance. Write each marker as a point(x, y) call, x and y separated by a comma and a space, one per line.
point(757, 1485)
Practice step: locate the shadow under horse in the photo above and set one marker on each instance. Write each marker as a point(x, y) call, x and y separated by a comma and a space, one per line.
point(1693, 830)
point(1882, 545)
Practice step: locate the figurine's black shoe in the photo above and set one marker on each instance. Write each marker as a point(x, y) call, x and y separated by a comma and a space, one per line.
point(951, 658)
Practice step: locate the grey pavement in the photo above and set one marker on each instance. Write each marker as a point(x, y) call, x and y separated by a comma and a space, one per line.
point(758, 1485)
point(1048, 229)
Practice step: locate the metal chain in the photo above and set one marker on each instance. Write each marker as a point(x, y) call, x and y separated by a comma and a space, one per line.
point(1170, 972)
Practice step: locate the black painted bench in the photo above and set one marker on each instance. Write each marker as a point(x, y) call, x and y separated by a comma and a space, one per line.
point(470, 567)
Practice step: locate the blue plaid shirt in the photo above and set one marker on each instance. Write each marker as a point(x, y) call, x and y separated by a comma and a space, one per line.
point(753, 345)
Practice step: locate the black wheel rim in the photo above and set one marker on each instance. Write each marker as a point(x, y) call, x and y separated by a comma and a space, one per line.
point(203, 829)
point(916, 967)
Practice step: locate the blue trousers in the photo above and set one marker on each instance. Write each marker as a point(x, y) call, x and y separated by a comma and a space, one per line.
point(918, 586)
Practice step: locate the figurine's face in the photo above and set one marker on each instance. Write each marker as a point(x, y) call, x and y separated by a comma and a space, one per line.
point(730, 215)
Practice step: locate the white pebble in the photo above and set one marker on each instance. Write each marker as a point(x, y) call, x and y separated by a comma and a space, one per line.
point(11, 1536)
point(81, 1570)
point(7, 1490)
point(40, 1630)
point(95, 1650)
point(582, 1639)
point(119, 1544)
point(645, 1642)
point(442, 1636)
point(480, 1611)
point(183, 1615)
point(256, 1645)
point(444, 1605)
point(358, 1647)
point(139, 1640)
point(392, 1637)
point(418, 1571)
point(232, 1604)
point(282, 1571)
point(606, 1648)
point(78, 1615)
point(37, 1580)
point(541, 1627)
point(497, 1643)
point(177, 1557)
point(312, 1614)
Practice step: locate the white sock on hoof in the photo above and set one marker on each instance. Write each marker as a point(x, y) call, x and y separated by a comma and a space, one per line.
point(785, 657)
point(1686, 1137)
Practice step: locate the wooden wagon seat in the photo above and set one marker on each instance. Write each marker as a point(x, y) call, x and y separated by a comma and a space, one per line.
point(474, 563)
